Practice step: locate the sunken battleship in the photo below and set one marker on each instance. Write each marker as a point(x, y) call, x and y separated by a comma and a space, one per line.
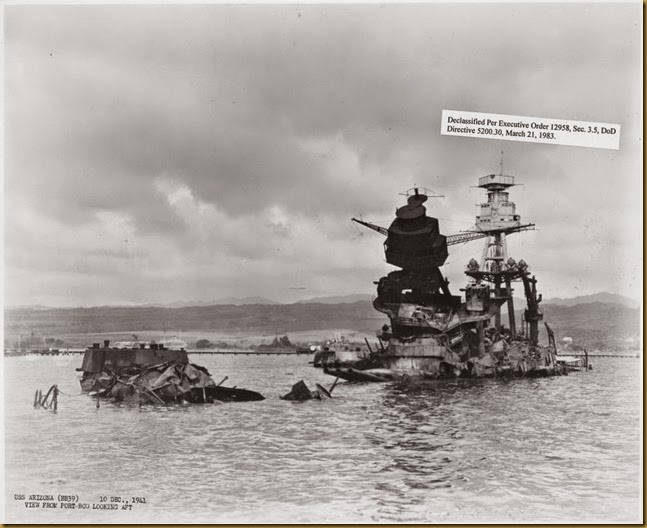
point(435, 334)
point(144, 373)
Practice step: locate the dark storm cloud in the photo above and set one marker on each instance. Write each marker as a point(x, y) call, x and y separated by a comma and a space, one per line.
point(293, 118)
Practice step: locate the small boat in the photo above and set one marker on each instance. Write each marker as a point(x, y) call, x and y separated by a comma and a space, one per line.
point(573, 363)
point(174, 343)
point(170, 344)
point(281, 345)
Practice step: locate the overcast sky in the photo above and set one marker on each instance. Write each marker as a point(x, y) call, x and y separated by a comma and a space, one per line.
point(164, 153)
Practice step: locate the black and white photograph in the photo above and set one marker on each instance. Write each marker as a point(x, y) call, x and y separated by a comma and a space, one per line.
point(323, 263)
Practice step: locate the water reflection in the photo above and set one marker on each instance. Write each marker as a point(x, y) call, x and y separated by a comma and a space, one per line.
point(458, 451)
point(495, 442)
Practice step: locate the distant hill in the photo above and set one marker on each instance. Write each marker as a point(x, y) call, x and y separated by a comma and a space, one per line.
point(595, 325)
point(29, 307)
point(518, 303)
point(235, 301)
point(601, 325)
point(339, 299)
point(602, 297)
point(250, 318)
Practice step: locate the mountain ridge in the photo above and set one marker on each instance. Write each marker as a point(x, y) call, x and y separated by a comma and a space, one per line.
point(606, 297)
point(597, 325)
point(338, 299)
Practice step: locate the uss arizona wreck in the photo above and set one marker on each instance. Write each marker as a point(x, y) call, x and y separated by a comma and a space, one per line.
point(436, 334)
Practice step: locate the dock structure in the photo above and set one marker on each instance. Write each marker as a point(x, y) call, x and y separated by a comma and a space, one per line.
point(247, 352)
point(256, 352)
point(229, 351)
point(43, 352)
point(604, 354)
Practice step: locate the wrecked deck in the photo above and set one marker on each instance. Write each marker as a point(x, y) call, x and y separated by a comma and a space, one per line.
point(153, 375)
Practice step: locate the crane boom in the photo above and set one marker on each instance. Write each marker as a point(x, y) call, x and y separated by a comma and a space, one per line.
point(382, 230)
point(452, 240)
point(461, 238)
point(468, 236)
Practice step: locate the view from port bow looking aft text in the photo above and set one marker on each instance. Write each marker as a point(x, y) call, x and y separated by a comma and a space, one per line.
point(323, 263)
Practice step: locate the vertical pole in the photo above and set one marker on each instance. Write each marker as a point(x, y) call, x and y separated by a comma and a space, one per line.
point(513, 324)
point(534, 331)
point(55, 398)
point(496, 269)
point(497, 293)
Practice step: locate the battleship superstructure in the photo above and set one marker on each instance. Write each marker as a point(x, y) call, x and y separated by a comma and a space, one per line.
point(435, 334)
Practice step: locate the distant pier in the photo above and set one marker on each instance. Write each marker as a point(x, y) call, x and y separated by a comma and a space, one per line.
point(248, 352)
point(256, 352)
point(604, 354)
point(43, 352)
point(227, 351)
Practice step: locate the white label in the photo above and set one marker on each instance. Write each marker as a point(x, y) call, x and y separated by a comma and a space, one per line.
point(532, 129)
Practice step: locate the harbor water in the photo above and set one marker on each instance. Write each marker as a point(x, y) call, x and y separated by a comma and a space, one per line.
point(558, 450)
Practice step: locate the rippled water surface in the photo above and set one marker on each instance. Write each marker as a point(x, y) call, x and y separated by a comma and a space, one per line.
point(528, 450)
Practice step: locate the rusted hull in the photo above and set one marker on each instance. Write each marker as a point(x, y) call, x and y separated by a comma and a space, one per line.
point(425, 358)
